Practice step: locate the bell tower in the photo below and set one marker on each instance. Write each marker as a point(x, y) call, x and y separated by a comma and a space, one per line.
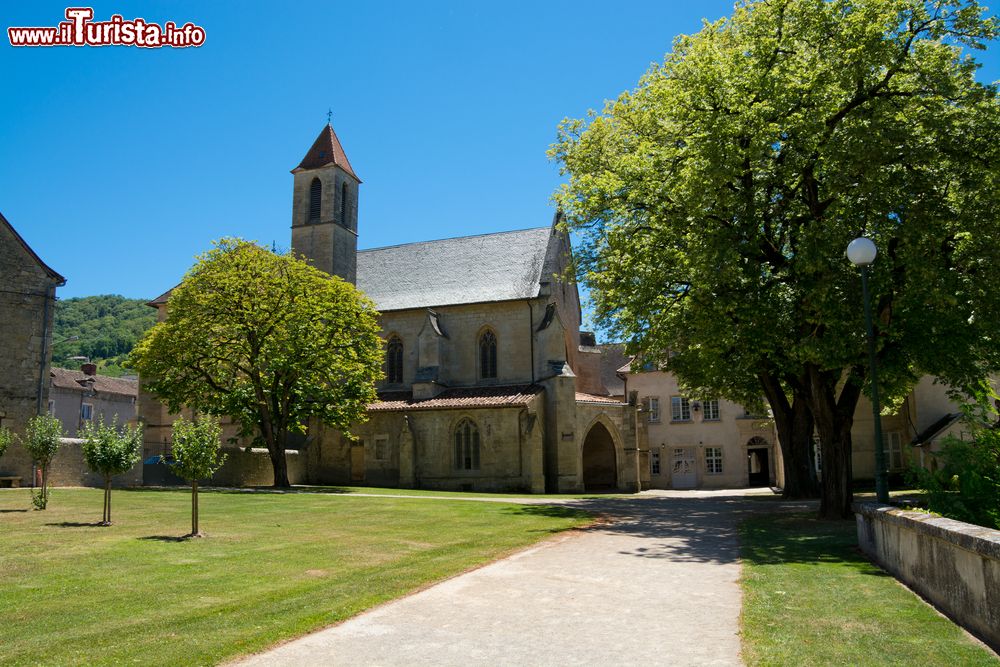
point(325, 208)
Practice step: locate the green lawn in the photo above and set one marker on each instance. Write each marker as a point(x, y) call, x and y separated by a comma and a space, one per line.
point(810, 598)
point(416, 493)
point(272, 567)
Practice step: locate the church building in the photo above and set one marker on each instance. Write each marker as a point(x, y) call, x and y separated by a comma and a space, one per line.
point(488, 384)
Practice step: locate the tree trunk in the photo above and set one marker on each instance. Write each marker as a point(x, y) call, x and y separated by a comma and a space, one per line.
point(194, 509)
point(45, 486)
point(276, 449)
point(106, 520)
point(794, 424)
point(834, 417)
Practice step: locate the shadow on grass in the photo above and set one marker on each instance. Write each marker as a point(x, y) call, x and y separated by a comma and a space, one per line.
point(802, 538)
point(165, 538)
point(6, 511)
point(77, 524)
point(243, 490)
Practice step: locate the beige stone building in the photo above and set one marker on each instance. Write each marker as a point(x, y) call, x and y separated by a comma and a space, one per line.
point(702, 444)
point(489, 385)
point(27, 301)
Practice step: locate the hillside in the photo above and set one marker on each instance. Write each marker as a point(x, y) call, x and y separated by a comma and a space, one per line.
point(102, 328)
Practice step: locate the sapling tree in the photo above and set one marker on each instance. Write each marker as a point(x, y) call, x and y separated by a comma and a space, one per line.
point(6, 437)
point(196, 456)
point(110, 451)
point(41, 440)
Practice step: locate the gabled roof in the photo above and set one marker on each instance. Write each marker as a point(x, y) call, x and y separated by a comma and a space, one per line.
point(56, 278)
point(326, 150)
point(936, 428)
point(473, 269)
point(459, 397)
point(64, 378)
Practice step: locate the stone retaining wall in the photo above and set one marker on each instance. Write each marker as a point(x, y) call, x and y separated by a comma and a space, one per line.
point(953, 564)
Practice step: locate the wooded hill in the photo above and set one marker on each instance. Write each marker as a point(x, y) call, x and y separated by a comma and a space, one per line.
point(102, 328)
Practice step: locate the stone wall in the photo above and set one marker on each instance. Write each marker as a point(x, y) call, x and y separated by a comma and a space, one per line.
point(27, 301)
point(69, 469)
point(955, 565)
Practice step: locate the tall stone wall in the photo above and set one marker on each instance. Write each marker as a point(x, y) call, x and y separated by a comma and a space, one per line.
point(27, 301)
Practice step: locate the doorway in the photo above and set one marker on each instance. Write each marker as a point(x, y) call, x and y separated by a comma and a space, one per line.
point(683, 472)
point(758, 470)
point(358, 462)
point(600, 473)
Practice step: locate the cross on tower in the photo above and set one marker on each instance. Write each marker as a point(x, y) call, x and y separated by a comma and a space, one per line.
point(329, 116)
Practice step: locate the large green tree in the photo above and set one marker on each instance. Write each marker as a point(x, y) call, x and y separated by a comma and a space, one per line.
point(716, 200)
point(268, 340)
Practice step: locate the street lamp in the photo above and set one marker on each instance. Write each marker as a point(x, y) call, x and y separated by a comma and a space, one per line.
point(861, 251)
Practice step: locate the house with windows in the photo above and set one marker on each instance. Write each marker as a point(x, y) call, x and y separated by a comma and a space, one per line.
point(702, 444)
point(79, 397)
point(489, 383)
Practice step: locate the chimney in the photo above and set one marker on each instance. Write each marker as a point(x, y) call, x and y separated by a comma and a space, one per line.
point(89, 369)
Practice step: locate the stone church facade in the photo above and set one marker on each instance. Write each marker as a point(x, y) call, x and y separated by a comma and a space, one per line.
point(488, 385)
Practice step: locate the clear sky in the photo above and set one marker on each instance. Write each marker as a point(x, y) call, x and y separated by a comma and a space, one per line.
point(120, 164)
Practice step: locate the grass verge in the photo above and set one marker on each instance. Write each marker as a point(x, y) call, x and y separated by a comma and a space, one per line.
point(810, 598)
point(273, 566)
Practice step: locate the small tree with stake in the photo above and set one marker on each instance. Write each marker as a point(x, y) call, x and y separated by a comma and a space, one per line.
point(41, 439)
point(109, 451)
point(196, 456)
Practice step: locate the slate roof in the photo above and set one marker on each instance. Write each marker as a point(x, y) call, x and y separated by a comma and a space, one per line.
point(503, 266)
point(63, 378)
point(613, 358)
point(55, 277)
point(327, 149)
point(459, 397)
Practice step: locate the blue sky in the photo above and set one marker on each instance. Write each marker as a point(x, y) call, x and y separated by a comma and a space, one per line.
point(121, 164)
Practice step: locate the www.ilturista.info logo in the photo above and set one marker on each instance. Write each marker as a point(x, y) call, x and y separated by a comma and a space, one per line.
point(81, 30)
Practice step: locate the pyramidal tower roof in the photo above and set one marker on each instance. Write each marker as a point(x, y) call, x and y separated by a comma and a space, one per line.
point(326, 150)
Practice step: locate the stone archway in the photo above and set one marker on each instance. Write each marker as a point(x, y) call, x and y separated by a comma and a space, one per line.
point(600, 470)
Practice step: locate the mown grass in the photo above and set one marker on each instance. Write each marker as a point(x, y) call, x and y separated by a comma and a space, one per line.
point(811, 598)
point(272, 567)
point(418, 493)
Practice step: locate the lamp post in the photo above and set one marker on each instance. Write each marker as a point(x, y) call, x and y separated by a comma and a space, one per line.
point(861, 252)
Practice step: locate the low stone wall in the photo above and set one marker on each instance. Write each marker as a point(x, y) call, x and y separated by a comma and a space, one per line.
point(252, 467)
point(953, 564)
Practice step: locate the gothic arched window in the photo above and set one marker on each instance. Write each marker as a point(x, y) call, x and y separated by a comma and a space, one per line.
point(394, 360)
point(487, 355)
point(315, 198)
point(343, 204)
point(466, 445)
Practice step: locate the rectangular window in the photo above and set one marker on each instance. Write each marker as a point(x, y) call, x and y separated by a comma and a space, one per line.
point(654, 408)
point(52, 407)
point(712, 410)
point(680, 409)
point(895, 451)
point(381, 447)
point(654, 461)
point(713, 460)
point(86, 412)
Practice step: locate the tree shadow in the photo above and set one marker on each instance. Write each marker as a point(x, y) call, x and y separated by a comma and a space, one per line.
point(702, 529)
point(6, 511)
point(165, 538)
point(77, 524)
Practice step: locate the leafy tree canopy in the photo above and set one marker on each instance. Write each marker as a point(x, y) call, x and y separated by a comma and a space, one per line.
point(716, 200)
point(267, 340)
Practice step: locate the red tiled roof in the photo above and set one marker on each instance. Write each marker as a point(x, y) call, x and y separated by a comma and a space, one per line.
point(63, 378)
point(327, 150)
point(466, 397)
point(594, 398)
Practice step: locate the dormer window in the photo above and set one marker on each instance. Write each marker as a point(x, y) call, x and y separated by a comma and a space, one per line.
point(315, 199)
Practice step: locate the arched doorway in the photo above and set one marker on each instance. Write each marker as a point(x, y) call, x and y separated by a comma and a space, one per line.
point(600, 472)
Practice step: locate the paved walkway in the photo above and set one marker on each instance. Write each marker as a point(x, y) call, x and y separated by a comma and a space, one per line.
point(656, 585)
